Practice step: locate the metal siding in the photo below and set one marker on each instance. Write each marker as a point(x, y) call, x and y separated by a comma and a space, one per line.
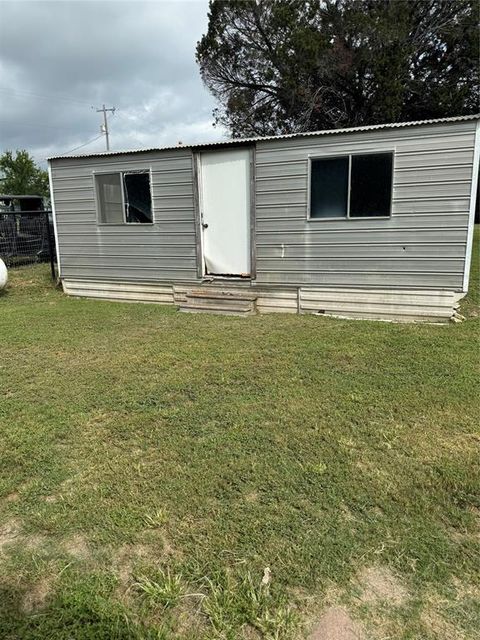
point(159, 252)
point(402, 306)
point(422, 245)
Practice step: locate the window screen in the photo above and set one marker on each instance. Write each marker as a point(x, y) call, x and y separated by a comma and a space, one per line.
point(109, 193)
point(371, 185)
point(329, 188)
point(138, 201)
point(124, 198)
point(369, 178)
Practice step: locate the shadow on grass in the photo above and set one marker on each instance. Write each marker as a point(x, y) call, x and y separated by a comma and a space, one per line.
point(78, 613)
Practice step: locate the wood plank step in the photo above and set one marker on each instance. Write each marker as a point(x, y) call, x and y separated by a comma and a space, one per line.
point(220, 295)
point(232, 305)
point(218, 301)
point(213, 306)
point(219, 312)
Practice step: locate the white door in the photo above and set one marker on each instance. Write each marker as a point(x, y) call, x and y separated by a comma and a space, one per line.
point(225, 212)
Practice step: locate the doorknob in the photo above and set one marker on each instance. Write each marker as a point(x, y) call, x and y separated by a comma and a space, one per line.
point(204, 225)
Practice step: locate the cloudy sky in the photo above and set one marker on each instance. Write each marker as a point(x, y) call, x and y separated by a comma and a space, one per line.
point(58, 59)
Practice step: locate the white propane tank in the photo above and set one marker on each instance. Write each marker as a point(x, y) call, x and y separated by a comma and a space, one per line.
point(3, 275)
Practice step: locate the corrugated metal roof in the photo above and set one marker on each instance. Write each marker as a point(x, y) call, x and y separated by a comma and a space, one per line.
point(240, 141)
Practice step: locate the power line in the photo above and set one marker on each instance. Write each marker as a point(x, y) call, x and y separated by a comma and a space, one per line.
point(82, 145)
point(35, 125)
point(30, 94)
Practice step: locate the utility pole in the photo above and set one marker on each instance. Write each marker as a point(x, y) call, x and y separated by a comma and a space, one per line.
point(104, 126)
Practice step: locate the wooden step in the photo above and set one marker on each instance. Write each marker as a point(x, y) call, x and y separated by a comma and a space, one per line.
point(221, 294)
point(218, 301)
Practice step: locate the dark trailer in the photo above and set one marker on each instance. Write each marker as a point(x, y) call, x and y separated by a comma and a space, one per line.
point(26, 230)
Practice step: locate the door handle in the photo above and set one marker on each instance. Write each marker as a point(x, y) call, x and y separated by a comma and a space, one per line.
point(204, 225)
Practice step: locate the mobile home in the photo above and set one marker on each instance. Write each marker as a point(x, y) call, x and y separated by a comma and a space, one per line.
point(369, 222)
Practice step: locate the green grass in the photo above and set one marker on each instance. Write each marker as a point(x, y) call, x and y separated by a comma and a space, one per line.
point(154, 464)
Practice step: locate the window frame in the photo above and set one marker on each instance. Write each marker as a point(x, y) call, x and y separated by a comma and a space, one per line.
point(312, 157)
point(122, 173)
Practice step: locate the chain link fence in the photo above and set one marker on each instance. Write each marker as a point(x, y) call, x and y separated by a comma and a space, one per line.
point(27, 237)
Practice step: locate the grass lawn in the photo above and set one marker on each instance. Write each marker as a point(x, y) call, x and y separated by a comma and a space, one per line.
point(168, 475)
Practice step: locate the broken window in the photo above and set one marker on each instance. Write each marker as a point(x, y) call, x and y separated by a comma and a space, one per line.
point(351, 186)
point(124, 198)
point(371, 185)
point(138, 201)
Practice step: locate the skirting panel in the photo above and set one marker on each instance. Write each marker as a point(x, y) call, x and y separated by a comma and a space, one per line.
point(398, 306)
point(123, 291)
point(275, 300)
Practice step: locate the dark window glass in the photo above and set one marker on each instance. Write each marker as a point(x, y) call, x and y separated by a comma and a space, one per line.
point(371, 185)
point(138, 201)
point(329, 188)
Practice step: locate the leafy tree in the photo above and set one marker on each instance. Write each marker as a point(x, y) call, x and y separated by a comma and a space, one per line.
point(281, 66)
point(21, 176)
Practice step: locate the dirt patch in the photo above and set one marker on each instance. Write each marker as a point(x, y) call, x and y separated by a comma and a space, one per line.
point(33, 542)
point(9, 532)
point(51, 498)
point(125, 560)
point(336, 624)
point(37, 596)
point(378, 584)
point(158, 545)
point(12, 497)
point(76, 546)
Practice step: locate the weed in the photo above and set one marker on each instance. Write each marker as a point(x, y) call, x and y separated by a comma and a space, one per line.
point(157, 519)
point(165, 590)
point(234, 601)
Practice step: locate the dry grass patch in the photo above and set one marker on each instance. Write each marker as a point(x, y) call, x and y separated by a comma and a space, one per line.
point(125, 559)
point(33, 541)
point(434, 621)
point(76, 546)
point(379, 585)
point(37, 596)
point(337, 624)
point(12, 497)
point(9, 533)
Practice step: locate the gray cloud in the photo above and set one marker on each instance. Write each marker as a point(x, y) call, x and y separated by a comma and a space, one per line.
point(58, 59)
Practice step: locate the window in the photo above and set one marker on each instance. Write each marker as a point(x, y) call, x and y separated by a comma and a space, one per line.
point(110, 200)
point(371, 185)
point(329, 188)
point(124, 198)
point(353, 186)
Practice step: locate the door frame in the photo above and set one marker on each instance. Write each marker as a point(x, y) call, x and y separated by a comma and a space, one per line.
point(197, 199)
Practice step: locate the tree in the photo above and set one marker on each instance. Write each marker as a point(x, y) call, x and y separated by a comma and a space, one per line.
point(21, 176)
point(283, 66)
